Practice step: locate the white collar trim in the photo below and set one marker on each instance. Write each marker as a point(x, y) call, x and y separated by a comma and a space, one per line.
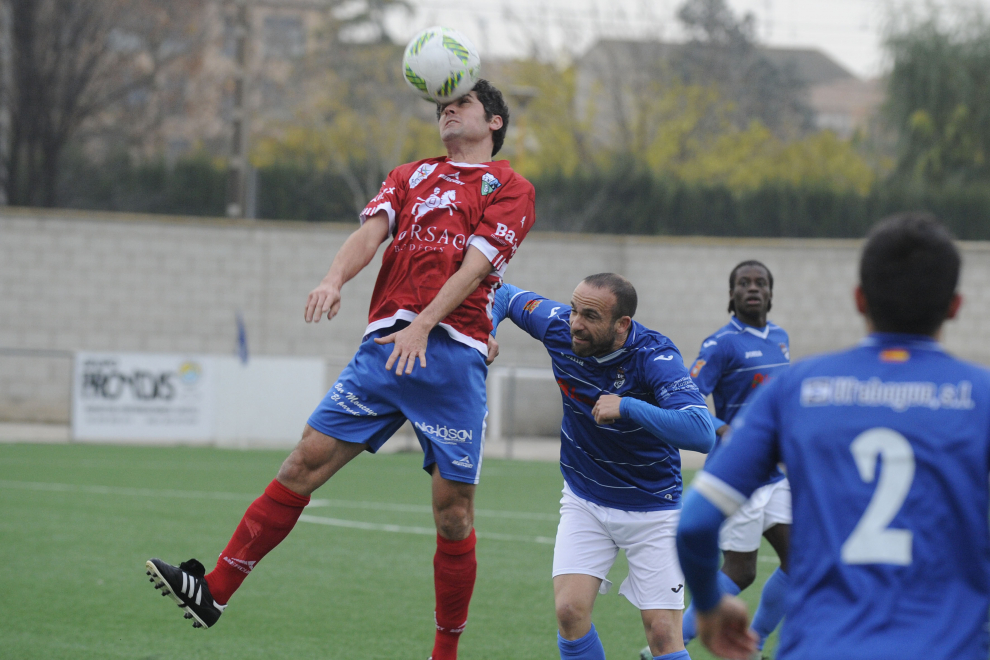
point(456, 164)
point(762, 334)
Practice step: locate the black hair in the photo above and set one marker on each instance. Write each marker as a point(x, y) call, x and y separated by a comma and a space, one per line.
point(732, 281)
point(623, 290)
point(494, 104)
point(909, 271)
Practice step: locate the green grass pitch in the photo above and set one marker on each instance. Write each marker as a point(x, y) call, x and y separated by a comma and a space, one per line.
point(77, 523)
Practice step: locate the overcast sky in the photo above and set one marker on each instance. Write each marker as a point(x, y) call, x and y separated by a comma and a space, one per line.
point(850, 31)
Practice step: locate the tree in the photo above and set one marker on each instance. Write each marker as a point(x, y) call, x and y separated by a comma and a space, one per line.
point(723, 52)
point(71, 59)
point(938, 98)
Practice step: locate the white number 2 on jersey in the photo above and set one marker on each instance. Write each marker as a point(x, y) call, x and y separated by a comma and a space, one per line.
point(871, 542)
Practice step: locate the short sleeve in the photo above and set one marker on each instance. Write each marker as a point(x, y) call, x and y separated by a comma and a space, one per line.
point(506, 220)
point(708, 367)
point(389, 199)
point(750, 452)
point(672, 386)
point(534, 313)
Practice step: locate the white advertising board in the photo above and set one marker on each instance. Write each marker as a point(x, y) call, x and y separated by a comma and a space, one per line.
point(142, 396)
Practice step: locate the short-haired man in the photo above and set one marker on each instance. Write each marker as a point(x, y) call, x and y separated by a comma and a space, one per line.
point(629, 405)
point(454, 222)
point(887, 449)
point(733, 363)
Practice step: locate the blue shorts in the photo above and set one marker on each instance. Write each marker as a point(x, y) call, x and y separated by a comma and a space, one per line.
point(445, 402)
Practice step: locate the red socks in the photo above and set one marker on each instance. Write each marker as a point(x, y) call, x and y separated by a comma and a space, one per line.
point(267, 521)
point(454, 570)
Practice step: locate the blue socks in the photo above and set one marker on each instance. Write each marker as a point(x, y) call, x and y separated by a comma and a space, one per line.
point(588, 647)
point(726, 586)
point(773, 602)
point(679, 655)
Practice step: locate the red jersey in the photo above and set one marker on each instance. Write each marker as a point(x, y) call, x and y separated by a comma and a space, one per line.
point(436, 209)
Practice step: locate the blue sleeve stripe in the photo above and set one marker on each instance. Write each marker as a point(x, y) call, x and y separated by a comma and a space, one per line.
point(722, 496)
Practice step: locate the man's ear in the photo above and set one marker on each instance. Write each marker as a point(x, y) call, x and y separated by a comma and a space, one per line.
point(623, 323)
point(495, 123)
point(954, 305)
point(861, 305)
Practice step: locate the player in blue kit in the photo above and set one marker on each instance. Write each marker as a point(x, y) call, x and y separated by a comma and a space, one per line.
point(887, 448)
point(733, 363)
point(629, 405)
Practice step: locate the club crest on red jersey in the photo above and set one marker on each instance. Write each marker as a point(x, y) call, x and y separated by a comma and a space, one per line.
point(489, 184)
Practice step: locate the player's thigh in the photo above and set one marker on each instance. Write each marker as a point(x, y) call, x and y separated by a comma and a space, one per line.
point(314, 460)
point(655, 580)
point(446, 404)
point(583, 545)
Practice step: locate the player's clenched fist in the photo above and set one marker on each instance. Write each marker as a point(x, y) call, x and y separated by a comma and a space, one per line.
point(324, 299)
point(606, 409)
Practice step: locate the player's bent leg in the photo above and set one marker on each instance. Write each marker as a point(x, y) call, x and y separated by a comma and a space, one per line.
point(574, 599)
point(267, 521)
point(272, 516)
point(779, 537)
point(773, 598)
point(454, 565)
point(740, 567)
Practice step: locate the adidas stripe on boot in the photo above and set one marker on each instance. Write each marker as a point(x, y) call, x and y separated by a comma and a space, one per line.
point(185, 585)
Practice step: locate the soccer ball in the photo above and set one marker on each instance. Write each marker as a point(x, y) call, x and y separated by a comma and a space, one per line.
point(441, 64)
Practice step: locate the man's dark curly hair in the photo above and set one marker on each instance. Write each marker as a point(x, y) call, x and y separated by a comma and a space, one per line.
point(494, 104)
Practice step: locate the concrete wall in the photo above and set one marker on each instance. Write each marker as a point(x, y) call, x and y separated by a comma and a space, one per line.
point(108, 282)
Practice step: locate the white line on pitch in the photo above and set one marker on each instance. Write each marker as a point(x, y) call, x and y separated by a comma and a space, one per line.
point(422, 531)
point(208, 495)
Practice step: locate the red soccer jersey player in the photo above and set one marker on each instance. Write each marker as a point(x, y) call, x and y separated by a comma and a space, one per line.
point(455, 222)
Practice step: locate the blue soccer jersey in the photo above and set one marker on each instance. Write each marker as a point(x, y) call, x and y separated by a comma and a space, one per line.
point(621, 465)
point(735, 361)
point(887, 448)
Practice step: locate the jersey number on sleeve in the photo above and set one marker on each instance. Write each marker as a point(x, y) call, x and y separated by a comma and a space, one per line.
point(871, 542)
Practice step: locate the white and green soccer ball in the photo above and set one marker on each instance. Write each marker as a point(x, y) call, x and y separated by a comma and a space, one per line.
point(441, 64)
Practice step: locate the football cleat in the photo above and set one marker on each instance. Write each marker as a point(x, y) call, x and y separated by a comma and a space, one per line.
point(186, 585)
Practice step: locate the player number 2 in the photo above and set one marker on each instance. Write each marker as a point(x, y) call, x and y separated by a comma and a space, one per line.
point(871, 542)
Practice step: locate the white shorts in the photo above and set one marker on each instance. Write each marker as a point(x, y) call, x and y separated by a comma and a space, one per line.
point(589, 538)
point(769, 505)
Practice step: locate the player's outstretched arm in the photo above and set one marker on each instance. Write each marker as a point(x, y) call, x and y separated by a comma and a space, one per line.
point(410, 342)
point(723, 623)
point(356, 253)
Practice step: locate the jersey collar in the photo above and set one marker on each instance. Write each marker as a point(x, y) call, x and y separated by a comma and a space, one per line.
point(921, 342)
point(456, 164)
point(742, 327)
